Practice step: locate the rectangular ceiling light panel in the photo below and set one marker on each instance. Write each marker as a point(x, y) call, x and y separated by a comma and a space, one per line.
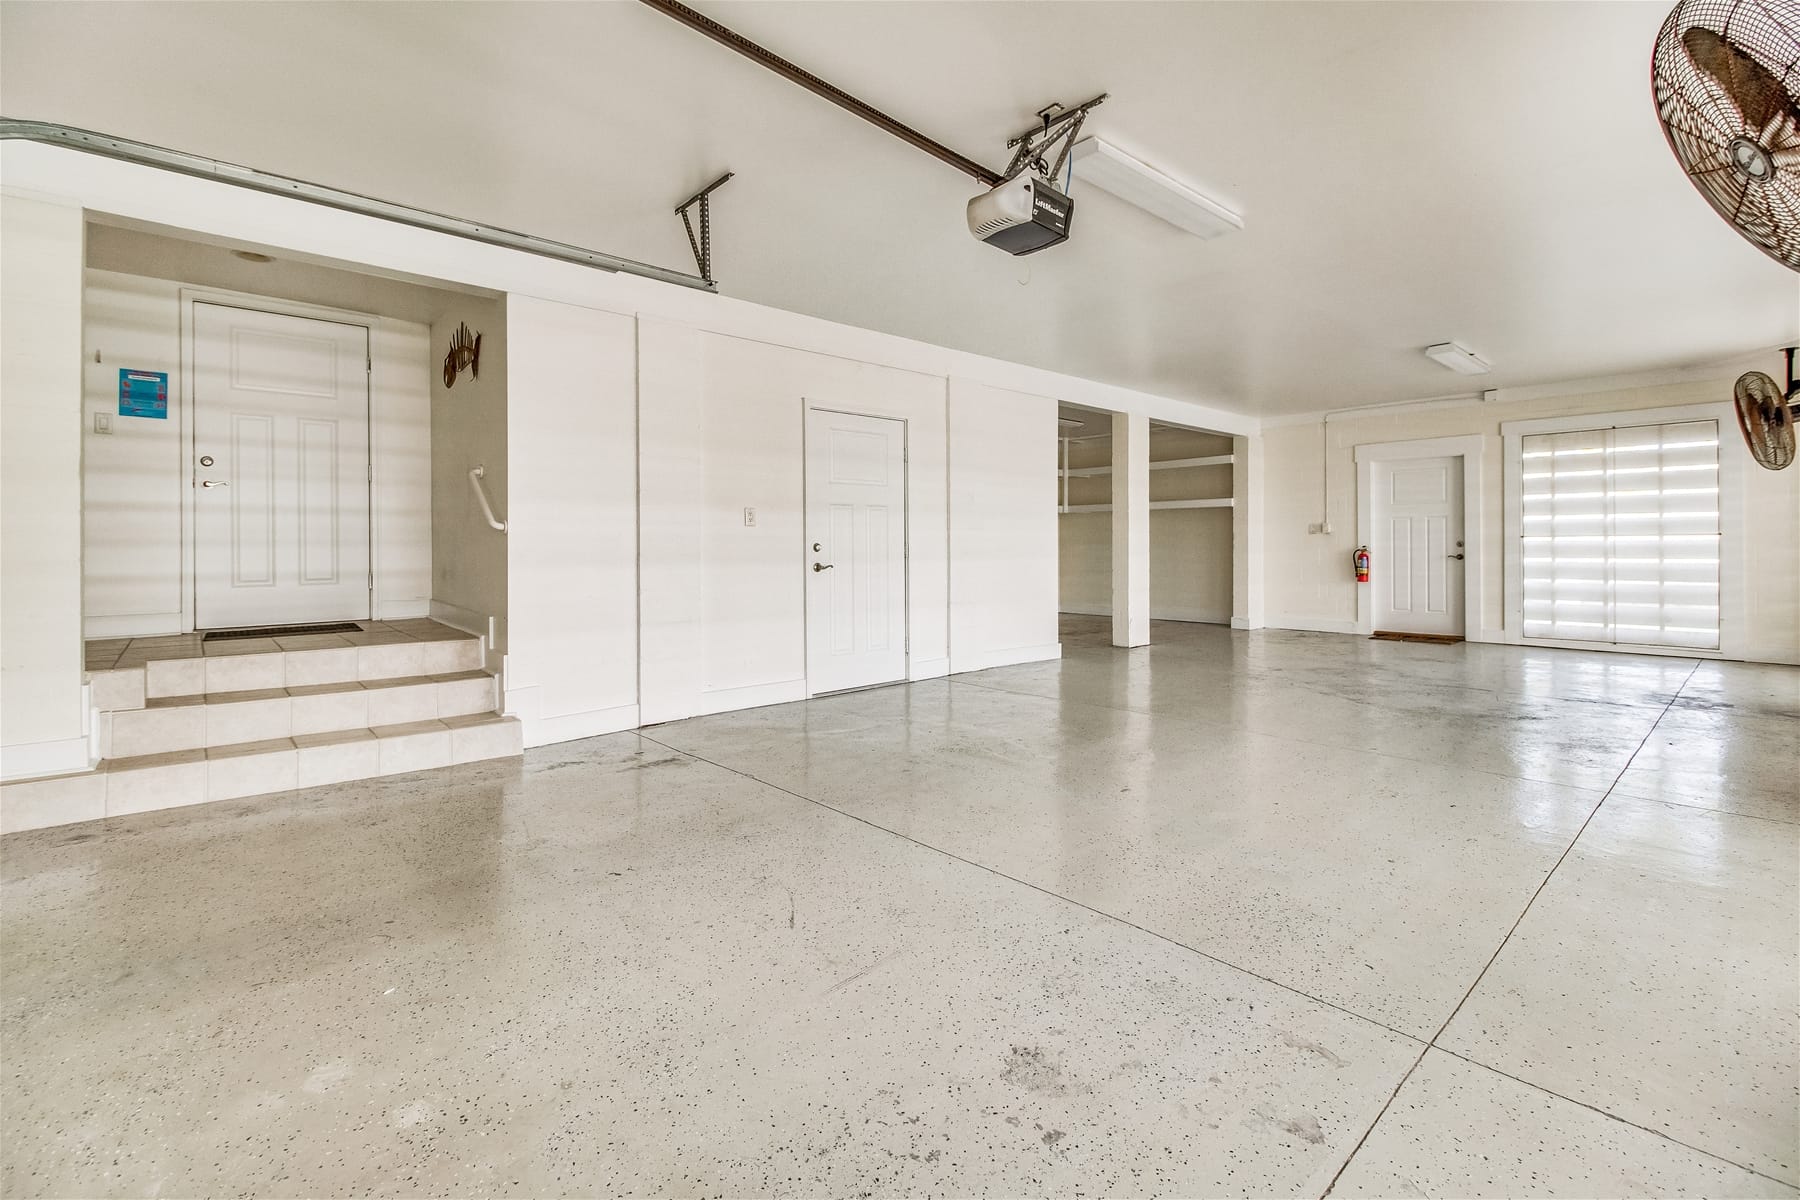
point(1458, 358)
point(1112, 170)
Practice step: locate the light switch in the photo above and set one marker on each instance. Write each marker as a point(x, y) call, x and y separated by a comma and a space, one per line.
point(102, 422)
point(749, 518)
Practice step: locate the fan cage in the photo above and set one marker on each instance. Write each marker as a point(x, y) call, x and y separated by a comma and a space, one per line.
point(1765, 420)
point(1704, 121)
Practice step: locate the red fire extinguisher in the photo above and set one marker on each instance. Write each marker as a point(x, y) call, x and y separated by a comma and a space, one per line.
point(1361, 559)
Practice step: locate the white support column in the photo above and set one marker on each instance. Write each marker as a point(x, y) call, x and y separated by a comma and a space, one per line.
point(41, 718)
point(1130, 530)
point(1247, 533)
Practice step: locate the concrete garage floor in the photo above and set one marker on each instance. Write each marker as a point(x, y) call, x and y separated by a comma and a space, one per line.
point(1220, 916)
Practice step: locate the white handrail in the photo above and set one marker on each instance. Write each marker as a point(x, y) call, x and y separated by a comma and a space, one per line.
point(476, 474)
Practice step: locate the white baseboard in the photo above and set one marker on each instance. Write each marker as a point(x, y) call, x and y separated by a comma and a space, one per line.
point(458, 617)
point(1192, 616)
point(755, 695)
point(405, 610)
point(545, 731)
point(1312, 624)
point(930, 668)
point(130, 625)
point(34, 760)
point(983, 660)
point(1245, 623)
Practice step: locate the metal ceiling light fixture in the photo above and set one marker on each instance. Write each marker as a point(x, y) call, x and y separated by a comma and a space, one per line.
point(1726, 77)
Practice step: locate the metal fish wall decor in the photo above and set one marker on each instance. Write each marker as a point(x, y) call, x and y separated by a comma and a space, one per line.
point(465, 354)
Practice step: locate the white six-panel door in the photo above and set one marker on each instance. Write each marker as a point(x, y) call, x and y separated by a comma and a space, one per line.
point(855, 561)
point(280, 469)
point(1417, 551)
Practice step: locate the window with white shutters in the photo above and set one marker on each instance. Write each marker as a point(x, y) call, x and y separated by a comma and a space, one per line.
point(1620, 531)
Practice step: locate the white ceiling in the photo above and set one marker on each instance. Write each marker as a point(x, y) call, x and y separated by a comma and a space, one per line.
point(1410, 173)
point(143, 251)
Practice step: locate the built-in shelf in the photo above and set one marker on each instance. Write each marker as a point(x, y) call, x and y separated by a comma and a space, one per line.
point(1219, 502)
point(1067, 473)
point(1168, 464)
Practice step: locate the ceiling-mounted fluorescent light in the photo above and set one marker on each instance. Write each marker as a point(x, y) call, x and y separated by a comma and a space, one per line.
point(1071, 423)
point(1111, 169)
point(1460, 359)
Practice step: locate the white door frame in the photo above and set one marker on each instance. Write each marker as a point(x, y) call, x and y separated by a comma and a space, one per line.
point(806, 407)
point(1471, 448)
point(1733, 576)
point(190, 296)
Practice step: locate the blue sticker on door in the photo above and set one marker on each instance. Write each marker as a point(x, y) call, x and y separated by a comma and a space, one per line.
point(144, 394)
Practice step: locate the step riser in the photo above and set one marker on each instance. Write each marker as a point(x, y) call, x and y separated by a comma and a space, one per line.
point(128, 733)
point(391, 750)
point(129, 687)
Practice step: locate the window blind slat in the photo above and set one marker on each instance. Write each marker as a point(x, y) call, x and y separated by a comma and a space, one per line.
point(1620, 534)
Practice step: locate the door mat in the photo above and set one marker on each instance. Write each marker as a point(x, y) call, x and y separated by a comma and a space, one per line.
point(1435, 639)
point(263, 631)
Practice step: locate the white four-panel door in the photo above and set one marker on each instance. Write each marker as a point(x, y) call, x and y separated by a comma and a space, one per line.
point(855, 561)
point(1417, 551)
point(280, 469)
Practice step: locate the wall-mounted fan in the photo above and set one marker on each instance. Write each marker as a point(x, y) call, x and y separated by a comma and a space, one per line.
point(1766, 414)
point(1726, 75)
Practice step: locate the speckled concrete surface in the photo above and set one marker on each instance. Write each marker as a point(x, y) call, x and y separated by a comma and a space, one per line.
point(1176, 921)
point(1457, 1129)
point(1655, 978)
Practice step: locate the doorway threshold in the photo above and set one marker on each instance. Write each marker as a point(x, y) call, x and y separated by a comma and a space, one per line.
point(1434, 639)
point(263, 631)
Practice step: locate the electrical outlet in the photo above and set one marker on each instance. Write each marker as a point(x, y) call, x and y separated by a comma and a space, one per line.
point(749, 518)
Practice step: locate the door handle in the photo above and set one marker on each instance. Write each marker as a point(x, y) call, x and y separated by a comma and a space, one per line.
point(817, 567)
point(1452, 556)
point(214, 483)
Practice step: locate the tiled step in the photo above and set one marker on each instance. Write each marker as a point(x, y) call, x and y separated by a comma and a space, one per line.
point(167, 724)
point(199, 775)
point(185, 665)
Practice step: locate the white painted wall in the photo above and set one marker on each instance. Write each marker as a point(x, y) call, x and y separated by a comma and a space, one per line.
point(701, 359)
point(1084, 562)
point(469, 429)
point(1190, 548)
point(1307, 577)
point(135, 479)
point(1247, 474)
point(42, 711)
point(721, 429)
point(571, 540)
point(1003, 537)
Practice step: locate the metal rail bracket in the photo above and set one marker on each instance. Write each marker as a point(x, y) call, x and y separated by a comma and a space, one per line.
point(702, 246)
